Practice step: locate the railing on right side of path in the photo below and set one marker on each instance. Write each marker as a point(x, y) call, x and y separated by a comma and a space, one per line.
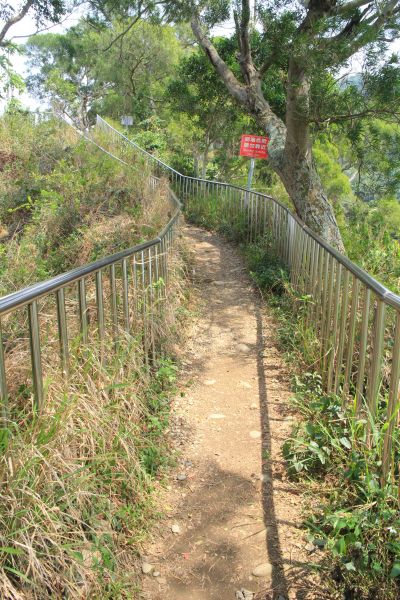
point(355, 319)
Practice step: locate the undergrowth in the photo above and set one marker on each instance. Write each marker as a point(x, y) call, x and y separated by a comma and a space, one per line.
point(65, 203)
point(352, 521)
point(79, 480)
point(212, 214)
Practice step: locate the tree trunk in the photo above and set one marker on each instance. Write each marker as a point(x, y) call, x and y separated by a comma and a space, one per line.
point(289, 150)
point(290, 156)
point(195, 165)
point(301, 180)
point(204, 162)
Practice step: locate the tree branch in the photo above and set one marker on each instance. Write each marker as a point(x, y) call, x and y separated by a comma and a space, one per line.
point(15, 19)
point(243, 30)
point(364, 26)
point(268, 63)
point(364, 113)
point(235, 88)
point(125, 31)
point(16, 37)
point(348, 7)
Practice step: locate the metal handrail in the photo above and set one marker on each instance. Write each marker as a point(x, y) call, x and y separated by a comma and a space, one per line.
point(138, 269)
point(38, 290)
point(378, 288)
point(354, 319)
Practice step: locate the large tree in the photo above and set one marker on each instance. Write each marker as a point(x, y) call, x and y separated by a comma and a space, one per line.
point(198, 93)
point(305, 43)
point(87, 70)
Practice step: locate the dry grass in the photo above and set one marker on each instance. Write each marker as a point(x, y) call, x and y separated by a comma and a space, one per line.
point(78, 480)
point(69, 476)
point(77, 494)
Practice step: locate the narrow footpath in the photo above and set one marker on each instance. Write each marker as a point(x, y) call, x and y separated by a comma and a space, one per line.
point(233, 527)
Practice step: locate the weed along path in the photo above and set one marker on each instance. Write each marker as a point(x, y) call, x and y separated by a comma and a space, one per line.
point(232, 530)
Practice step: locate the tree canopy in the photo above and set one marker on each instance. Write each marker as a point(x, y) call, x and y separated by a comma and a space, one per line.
point(306, 46)
point(286, 71)
point(81, 73)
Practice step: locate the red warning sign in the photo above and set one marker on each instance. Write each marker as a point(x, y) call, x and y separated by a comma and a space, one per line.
point(255, 146)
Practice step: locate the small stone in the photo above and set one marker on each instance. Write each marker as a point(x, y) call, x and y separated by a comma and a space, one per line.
point(255, 434)
point(188, 463)
point(175, 528)
point(242, 348)
point(310, 547)
point(245, 385)
point(210, 382)
point(253, 406)
point(181, 477)
point(156, 573)
point(217, 416)
point(244, 595)
point(263, 570)
point(219, 282)
point(147, 568)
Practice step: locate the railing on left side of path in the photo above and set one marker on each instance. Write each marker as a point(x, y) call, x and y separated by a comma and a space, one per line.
point(125, 288)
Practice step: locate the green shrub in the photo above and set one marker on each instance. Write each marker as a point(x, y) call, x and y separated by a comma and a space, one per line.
point(353, 519)
point(65, 202)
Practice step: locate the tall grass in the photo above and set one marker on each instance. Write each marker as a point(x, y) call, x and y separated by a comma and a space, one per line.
point(79, 480)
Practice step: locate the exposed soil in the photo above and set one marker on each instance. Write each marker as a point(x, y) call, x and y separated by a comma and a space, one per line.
point(233, 504)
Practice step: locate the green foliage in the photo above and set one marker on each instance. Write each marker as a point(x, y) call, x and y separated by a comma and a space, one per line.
point(213, 119)
point(46, 11)
point(335, 182)
point(357, 520)
point(372, 159)
point(210, 212)
point(265, 267)
point(154, 453)
point(354, 520)
point(371, 239)
point(63, 202)
point(83, 71)
point(152, 137)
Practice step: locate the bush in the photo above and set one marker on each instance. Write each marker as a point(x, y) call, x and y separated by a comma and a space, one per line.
point(352, 518)
point(65, 203)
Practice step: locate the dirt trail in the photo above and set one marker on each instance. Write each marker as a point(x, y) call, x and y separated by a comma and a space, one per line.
point(235, 509)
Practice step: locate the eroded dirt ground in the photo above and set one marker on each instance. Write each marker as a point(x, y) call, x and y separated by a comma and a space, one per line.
point(234, 510)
